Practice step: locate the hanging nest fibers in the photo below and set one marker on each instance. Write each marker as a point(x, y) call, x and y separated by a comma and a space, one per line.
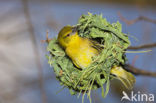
point(110, 38)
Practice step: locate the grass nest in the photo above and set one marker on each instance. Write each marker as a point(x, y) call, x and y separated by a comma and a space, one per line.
point(110, 38)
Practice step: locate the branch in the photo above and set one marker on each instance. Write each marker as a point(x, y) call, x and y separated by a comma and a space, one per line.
point(35, 49)
point(140, 18)
point(47, 39)
point(152, 45)
point(138, 71)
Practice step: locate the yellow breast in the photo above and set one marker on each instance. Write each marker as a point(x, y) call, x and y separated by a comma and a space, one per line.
point(81, 53)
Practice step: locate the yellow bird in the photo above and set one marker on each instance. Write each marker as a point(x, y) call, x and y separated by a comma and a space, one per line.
point(81, 50)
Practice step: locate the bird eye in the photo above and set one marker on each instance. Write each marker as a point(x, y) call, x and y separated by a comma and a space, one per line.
point(68, 34)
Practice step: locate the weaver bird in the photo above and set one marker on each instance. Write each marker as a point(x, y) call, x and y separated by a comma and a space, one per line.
point(81, 50)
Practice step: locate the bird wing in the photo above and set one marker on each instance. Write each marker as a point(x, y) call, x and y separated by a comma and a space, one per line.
point(96, 45)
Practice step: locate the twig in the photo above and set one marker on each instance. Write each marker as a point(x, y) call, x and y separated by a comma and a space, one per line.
point(134, 60)
point(140, 18)
point(47, 38)
point(138, 71)
point(36, 51)
point(152, 45)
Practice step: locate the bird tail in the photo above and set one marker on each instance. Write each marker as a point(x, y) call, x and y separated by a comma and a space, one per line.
point(125, 77)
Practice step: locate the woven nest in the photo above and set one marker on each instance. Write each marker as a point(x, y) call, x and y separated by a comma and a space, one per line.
point(110, 38)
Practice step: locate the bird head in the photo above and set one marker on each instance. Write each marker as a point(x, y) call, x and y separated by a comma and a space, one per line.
point(67, 35)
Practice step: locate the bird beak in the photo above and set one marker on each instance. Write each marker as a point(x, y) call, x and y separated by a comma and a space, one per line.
point(74, 29)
